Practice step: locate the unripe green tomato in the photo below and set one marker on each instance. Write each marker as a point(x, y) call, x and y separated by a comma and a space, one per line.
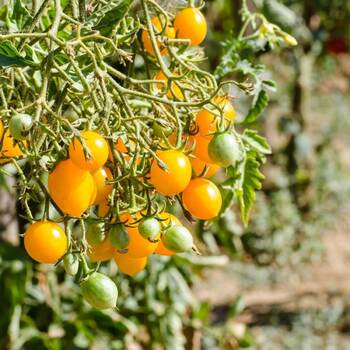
point(19, 126)
point(149, 228)
point(119, 237)
point(71, 264)
point(96, 233)
point(99, 291)
point(224, 150)
point(71, 114)
point(160, 130)
point(178, 239)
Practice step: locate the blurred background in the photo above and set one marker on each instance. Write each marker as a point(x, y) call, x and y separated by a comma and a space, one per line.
point(282, 282)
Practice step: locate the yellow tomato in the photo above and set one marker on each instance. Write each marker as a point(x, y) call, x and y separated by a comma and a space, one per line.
point(191, 24)
point(171, 92)
point(207, 121)
point(103, 189)
point(73, 189)
point(97, 147)
point(130, 266)
point(176, 177)
point(157, 26)
point(102, 252)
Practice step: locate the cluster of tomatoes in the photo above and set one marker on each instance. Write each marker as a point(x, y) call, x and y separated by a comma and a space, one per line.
point(86, 179)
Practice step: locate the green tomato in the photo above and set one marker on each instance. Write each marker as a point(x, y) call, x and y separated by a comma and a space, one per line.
point(149, 228)
point(71, 264)
point(19, 126)
point(99, 291)
point(96, 233)
point(178, 239)
point(71, 114)
point(119, 237)
point(223, 149)
point(160, 130)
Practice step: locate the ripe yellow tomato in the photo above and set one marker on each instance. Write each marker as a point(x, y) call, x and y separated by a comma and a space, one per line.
point(157, 26)
point(45, 242)
point(177, 176)
point(73, 189)
point(207, 121)
point(201, 148)
point(191, 24)
point(198, 167)
point(169, 219)
point(138, 246)
point(103, 189)
point(97, 147)
point(174, 90)
point(102, 252)
point(130, 266)
point(202, 199)
point(9, 148)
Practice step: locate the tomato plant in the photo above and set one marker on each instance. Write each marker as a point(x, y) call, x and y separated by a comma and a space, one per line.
point(86, 89)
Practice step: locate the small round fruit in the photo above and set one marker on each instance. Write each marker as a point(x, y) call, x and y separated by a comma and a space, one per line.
point(72, 188)
point(45, 242)
point(174, 89)
point(169, 32)
point(19, 126)
point(199, 166)
point(138, 246)
point(96, 233)
point(10, 148)
point(224, 150)
point(177, 176)
point(207, 121)
point(103, 189)
point(71, 264)
point(178, 239)
point(97, 148)
point(202, 199)
point(102, 252)
point(167, 220)
point(191, 24)
point(119, 236)
point(160, 130)
point(130, 266)
point(149, 228)
point(99, 291)
point(70, 114)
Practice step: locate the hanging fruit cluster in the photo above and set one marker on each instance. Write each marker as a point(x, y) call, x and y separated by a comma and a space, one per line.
point(109, 120)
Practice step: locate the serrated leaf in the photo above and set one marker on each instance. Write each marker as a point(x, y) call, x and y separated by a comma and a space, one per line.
point(109, 16)
point(260, 104)
point(251, 180)
point(9, 56)
point(256, 141)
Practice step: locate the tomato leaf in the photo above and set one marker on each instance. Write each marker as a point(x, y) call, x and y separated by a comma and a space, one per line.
point(260, 104)
point(250, 180)
point(109, 16)
point(20, 14)
point(9, 56)
point(256, 142)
